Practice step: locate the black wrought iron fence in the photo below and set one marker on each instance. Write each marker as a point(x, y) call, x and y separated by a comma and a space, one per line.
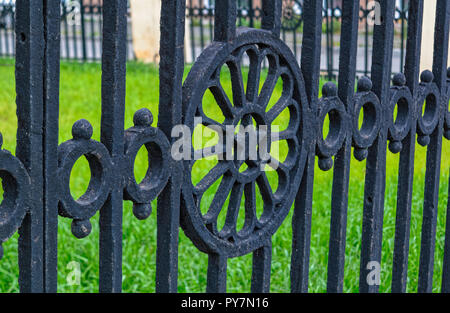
point(36, 180)
point(81, 30)
point(200, 15)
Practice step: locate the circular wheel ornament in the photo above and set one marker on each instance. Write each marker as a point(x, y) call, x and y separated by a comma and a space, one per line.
point(269, 171)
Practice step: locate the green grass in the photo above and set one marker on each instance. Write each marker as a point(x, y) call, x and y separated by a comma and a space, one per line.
point(80, 98)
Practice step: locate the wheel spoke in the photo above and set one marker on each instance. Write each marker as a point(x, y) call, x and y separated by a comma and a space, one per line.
point(254, 76)
point(207, 121)
point(267, 89)
point(250, 209)
point(233, 210)
point(222, 100)
point(219, 199)
point(279, 107)
point(265, 189)
point(213, 175)
point(237, 84)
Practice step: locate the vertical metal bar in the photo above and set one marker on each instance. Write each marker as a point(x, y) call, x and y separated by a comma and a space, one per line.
point(402, 42)
point(331, 54)
point(225, 21)
point(433, 167)
point(12, 37)
point(74, 37)
point(211, 23)
point(301, 220)
point(366, 43)
point(92, 15)
point(328, 30)
point(251, 14)
point(191, 26)
point(262, 258)
point(375, 182)
point(83, 31)
point(217, 274)
point(341, 175)
point(271, 16)
point(66, 30)
point(100, 23)
point(224, 31)
point(130, 51)
point(2, 52)
point(171, 70)
point(112, 132)
point(406, 165)
point(294, 42)
point(240, 9)
point(446, 265)
point(200, 19)
point(29, 88)
point(52, 30)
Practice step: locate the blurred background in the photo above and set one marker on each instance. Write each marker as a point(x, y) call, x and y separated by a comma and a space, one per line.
point(81, 22)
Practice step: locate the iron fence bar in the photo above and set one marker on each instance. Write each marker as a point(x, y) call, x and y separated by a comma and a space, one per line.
point(366, 42)
point(52, 32)
point(83, 30)
point(12, 35)
point(406, 163)
point(294, 42)
point(341, 175)
point(200, 19)
point(100, 20)
point(434, 149)
point(301, 220)
point(74, 37)
point(66, 29)
point(271, 21)
point(271, 16)
point(250, 14)
point(29, 88)
point(330, 33)
point(211, 26)
point(112, 136)
point(171, 69)
point(91, 12)
point(217, 273)
point(374, 190)
point(8, 35)
point(191, 26)
point(262, 258)
point(224, 31)
point(402, 41)
point(225, 21)
point(2, 53)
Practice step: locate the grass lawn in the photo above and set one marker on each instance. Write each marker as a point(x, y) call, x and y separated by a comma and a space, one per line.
point(80, 98)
